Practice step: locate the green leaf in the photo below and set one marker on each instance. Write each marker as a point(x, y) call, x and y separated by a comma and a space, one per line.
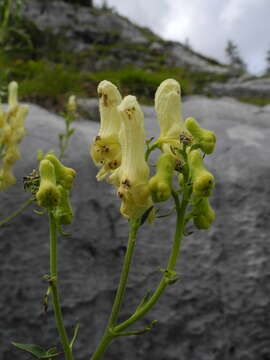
point(146, 297)
point(37, 351)
point(51, 353)
point(74, 335)
point(71, 131)
point(145, 215)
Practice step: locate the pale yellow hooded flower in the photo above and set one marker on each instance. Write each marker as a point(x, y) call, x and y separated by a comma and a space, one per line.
point(105, 149)
point(169, 114)
point(131, 178)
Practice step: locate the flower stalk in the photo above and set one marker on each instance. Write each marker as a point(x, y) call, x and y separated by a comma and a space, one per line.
point(54, 290)
point(109, 333)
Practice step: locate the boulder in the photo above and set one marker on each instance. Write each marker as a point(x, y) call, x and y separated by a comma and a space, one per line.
point(218, 310)
point(242, 88)
point(87, 31)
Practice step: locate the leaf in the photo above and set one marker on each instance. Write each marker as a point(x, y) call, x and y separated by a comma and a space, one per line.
point(144, 300)
point(37, 351)
point(148, 141)
point(71, 131)
point(51, 353)
point(74, 335)
point(145, 215)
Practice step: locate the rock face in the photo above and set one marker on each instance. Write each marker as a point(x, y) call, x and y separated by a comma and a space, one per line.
point(218, 310)
point(88, 30)
point(258, 88)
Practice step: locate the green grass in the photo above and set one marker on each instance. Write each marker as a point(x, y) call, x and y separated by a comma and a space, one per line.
point(255, 100)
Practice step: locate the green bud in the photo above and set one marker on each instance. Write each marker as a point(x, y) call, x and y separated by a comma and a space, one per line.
point(63, 212)
point(206, 139)
point(203, 181)
point(64, 175)
point(161, 183)
point(48, 195)
point(204, 214)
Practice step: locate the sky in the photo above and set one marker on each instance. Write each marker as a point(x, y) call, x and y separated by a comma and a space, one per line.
point(207, 24)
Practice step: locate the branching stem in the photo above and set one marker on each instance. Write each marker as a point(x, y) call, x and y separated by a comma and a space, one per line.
point(108, 334)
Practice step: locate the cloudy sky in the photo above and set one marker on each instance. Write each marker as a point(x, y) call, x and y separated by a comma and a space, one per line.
point(207, 24)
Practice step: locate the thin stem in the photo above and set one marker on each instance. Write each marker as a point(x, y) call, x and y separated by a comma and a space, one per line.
point(108, 334)
point(54, 290)
point(150, 149)
point(17, 212)
point(170, 266)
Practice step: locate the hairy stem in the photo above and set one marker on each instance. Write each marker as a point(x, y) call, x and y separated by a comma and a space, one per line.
point(53, 284)
point(181, 209)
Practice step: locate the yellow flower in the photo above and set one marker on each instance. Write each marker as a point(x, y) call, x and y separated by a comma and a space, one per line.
point(105, 149)
point(12, 131)
point(168, 109)
point(72, 105)
point(132, 176)
point(6, 177)
point(12, 94)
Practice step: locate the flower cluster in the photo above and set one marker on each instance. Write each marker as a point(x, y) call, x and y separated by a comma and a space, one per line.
point(56, 180)
point(119, 149)
point(12, 131)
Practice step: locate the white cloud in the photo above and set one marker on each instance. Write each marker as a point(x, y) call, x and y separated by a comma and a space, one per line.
point(208, 24)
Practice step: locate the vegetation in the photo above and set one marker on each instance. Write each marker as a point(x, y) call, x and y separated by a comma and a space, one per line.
point(267, 70)
point(235, 60)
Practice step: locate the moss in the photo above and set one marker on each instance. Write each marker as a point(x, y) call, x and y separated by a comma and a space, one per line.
point(141, 82)
point(148, 34)
point(255, 100)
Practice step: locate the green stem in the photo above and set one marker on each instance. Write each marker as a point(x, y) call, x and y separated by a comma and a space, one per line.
point(17, 212)
point(54, 290)
point(108, 334)
point(150, 149)
point(6, 13)
point(180, 209)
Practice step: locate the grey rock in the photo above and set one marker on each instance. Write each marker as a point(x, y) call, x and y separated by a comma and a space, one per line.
point(218, 310)
point(88, 108)
point(259, 87)
point(187, 58)
point(83, 27)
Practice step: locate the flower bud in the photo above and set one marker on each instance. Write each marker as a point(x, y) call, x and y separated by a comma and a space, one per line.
point(105, 149)
point(64, 175)
point(204, 214)
point(63, 212)
point(161, 183)
point(48, 195)
point(203, 181)
point(131, 177)
point(206, 139)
